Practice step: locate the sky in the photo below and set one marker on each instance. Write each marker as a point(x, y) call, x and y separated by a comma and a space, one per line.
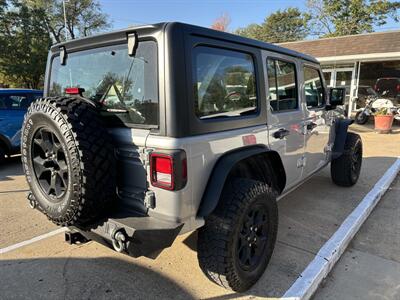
point(242, 12)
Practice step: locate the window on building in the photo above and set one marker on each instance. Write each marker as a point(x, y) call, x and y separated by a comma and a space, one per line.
point(282, 85)
point(224, 83)
point(313, 88)
point(379, 79)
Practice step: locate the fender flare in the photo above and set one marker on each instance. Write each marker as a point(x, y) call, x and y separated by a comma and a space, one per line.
point(341, 128)
point(219, 175)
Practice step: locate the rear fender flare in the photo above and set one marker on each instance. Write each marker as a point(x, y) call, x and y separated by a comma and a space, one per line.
point(221, 172)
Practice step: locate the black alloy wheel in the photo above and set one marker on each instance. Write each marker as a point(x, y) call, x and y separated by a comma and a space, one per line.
point(50, 163)
point(253, 238)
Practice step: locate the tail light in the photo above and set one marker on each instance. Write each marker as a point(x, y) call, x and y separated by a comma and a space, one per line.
point(74, 91)
point(168, 170)
point(398, 88)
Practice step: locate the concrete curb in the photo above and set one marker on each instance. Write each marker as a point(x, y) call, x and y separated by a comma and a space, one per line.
point(309, 280)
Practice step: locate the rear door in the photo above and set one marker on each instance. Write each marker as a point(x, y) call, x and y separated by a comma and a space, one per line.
point(317, 122)
point(285, 116)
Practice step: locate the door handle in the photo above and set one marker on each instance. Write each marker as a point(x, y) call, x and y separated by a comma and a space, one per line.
point(281, 133)
point(311, 126)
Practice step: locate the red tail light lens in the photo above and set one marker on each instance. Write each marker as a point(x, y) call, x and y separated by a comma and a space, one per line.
point(168, 170)
point(398, 87)
point(74, 91)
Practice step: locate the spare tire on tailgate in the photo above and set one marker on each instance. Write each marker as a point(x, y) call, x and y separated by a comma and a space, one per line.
point(68, 160)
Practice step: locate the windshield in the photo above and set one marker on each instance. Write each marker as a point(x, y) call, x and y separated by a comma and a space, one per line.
point(126, 87)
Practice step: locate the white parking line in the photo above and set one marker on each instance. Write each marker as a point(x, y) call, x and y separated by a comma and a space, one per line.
point(33, 240)
point(309, 280)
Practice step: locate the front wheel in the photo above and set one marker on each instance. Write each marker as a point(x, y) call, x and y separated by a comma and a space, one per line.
point(237, 240)
point(361, 117)
point(345, 169)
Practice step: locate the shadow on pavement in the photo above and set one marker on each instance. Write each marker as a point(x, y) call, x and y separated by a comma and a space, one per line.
point(308, 217)
point(84, 278)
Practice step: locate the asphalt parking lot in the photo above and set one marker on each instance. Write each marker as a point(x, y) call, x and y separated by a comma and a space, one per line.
point(370, 268)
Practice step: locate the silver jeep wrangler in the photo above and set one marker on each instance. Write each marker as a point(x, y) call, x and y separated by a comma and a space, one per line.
point(155, 131)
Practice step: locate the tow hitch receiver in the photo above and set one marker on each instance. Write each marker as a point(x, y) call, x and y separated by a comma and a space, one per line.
point(75, 237)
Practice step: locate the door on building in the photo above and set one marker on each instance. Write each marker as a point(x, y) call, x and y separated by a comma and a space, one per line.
point(340, 77)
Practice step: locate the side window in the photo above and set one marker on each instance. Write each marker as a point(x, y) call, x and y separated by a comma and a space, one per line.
point(9, 101)
point(282, 85)
point(313, 88)
point(224, 83)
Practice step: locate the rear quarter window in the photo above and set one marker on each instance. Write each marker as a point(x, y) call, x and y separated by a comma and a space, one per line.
point(224, 83)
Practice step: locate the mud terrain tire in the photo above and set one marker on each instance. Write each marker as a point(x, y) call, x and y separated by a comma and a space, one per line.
point(231, 251)
point(68, 160)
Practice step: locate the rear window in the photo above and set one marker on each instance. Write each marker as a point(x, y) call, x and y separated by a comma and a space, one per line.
point(224, 83)
point(126, 87)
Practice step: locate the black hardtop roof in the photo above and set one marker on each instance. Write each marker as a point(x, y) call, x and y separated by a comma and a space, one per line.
point(193, 29)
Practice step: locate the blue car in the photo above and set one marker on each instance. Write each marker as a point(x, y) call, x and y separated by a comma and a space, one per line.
point(13, 105)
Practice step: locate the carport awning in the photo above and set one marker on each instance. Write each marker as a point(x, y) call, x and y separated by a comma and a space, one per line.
point(360, 57)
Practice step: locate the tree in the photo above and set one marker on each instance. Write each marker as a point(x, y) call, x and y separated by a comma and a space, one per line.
point(282, 26)
point(84, 17)
point(24, 43)
point(29, 27)
point(345, 17)
point(222, 22)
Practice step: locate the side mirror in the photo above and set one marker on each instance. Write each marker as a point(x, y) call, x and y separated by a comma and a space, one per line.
point(336, 97)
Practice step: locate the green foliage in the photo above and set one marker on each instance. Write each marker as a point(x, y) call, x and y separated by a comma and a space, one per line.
point(84, 17)
point(24, 42)
point(345, 17)
point(323, 18)
point(384, 111)
point(29, 27)
point(282, 26)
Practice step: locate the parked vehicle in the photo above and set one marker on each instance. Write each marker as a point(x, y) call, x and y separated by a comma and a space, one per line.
point(13, 106)
point(374, 104)
point(363, 94)
point(388, 87)
point(158, 130)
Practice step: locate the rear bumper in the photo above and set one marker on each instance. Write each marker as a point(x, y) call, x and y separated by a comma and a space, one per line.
point(142, 235)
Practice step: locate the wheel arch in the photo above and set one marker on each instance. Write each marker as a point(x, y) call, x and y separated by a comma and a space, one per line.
point(255, 162)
